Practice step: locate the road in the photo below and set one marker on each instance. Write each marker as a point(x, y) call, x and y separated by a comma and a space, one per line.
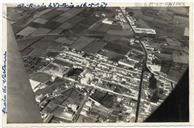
point(104, 63)
point(143, 69)
point(98, 87)
point(76, 117)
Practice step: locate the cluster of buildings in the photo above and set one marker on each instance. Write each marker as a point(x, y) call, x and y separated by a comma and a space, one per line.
point(137, 30)
point(88, 74)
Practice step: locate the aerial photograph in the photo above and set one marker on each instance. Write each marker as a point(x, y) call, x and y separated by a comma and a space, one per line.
point(94, 65)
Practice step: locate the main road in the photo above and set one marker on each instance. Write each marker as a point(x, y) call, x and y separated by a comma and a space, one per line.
point(143, 68)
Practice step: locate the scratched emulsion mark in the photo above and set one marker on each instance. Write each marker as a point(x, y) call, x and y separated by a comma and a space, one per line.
point(4, 87)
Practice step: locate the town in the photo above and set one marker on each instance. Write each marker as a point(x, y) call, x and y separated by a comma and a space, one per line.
point(100, 64)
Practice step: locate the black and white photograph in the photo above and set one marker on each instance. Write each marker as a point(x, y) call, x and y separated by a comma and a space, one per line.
point(97, 64)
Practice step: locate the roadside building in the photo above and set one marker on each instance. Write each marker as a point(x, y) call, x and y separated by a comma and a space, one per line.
point(144, 31)
point(154, 67)
point(127, 63)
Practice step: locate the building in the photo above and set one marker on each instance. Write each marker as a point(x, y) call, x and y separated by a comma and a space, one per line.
point(131, 20)
point(127, 63)
point(34, 84)
point(87, 79)
point(65, 115)
point(106, 21)
point(144, 31)
point(154, 68)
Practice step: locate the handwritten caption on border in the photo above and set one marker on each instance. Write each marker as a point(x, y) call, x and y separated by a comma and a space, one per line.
point(63, 5)
point(4, 86)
